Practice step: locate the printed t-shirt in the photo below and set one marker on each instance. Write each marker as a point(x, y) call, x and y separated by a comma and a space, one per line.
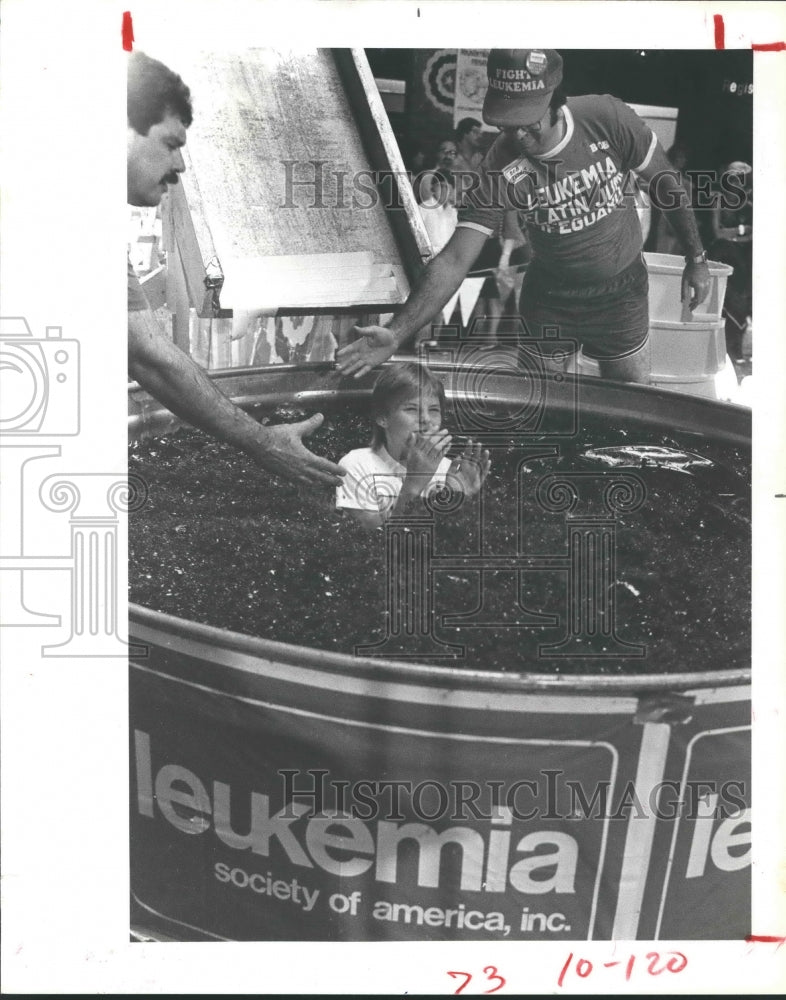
point(374, 480)
point(582, 227)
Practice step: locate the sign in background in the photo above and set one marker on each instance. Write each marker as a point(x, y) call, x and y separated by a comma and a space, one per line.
point(471, 85)
point(429, 99)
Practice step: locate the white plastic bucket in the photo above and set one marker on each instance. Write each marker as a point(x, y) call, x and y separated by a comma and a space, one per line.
point(665, 274)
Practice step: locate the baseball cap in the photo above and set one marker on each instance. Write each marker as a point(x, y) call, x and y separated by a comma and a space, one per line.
point(521, 82)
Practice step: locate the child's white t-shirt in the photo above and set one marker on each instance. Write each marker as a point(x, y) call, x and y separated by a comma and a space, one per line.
point(373, 480)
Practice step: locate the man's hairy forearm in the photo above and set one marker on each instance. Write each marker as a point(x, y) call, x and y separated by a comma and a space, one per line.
point(668, 194)
point(177, 382)
point(181, 385)
point(440, 280)
point(683, 221)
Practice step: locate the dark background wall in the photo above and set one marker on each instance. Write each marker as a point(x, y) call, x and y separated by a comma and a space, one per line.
point(713, 92)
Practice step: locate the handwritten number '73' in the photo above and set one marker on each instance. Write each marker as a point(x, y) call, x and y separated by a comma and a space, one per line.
point(491, 974)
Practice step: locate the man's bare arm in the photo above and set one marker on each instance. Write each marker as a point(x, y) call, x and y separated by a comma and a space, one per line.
point(440, 279)
point(181, 385)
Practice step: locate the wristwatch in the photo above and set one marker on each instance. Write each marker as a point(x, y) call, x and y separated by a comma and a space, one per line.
point(699, 258)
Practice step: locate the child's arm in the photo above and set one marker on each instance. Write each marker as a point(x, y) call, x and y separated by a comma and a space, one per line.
point(367, 519)
point(424, 453)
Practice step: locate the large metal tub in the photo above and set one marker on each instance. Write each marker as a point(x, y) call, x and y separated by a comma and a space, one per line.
point(225, 727)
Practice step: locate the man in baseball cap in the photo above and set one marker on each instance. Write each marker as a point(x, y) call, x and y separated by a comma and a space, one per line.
point(521, 82)
point(566, 165)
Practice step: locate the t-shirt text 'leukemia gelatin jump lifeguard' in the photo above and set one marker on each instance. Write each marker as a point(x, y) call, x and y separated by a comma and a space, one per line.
point(576, 200)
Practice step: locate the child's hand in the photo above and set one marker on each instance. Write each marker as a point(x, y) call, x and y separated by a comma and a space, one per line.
point(468, 472)
point(424, 453)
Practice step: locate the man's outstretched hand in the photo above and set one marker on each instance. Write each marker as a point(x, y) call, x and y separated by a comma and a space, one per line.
point(280, 450)
point(374, 346)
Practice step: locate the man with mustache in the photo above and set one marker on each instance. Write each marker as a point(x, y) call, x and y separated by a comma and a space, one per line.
point(564, 164)
point(159, 112)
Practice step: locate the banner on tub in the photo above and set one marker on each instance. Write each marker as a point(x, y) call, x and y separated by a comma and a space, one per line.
point(704, 846)
point(327, 815)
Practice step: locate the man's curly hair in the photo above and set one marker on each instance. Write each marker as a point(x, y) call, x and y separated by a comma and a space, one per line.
point(153, 92)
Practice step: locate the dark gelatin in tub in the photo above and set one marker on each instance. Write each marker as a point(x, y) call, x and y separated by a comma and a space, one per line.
point(220, 543)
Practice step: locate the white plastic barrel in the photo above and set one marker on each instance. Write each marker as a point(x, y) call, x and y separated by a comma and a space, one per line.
point(688, 348)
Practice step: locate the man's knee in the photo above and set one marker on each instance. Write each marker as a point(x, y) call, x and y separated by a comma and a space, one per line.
point(633, 368)
point(558, 361)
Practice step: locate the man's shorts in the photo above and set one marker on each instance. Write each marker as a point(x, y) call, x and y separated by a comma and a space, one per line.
point(609, 320)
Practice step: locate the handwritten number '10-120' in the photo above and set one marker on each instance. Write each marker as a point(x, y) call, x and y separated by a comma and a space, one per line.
point(656, 964)
point(491, 974)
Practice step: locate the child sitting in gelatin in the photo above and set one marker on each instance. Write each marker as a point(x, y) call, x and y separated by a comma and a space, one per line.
point(407, 458)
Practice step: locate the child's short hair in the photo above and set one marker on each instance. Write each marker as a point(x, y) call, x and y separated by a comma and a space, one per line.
point(395, 384)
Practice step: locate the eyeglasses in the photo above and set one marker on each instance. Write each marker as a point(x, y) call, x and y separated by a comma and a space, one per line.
point(534, 129)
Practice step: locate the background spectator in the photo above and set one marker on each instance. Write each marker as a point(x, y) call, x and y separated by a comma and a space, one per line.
point(469, 144)
point(731, 236)
point(662, 238)
point(438, 208)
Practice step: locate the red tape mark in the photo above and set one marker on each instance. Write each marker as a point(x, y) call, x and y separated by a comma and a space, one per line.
point(769, 47)
point(720, 31)
point(765, 939)
point(128, 31)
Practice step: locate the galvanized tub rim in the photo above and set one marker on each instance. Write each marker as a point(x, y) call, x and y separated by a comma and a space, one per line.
point(708, 414)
